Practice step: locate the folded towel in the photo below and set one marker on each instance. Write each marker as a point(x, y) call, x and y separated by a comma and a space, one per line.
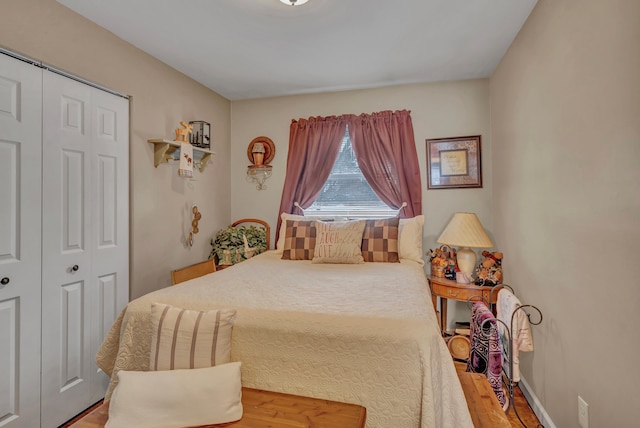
point(186, 160)
point(521, 339)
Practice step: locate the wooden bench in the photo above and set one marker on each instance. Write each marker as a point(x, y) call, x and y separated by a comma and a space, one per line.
point(263, 409)
point(486, 411)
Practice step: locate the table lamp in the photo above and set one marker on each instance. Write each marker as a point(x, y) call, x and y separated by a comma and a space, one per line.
point(465, 231)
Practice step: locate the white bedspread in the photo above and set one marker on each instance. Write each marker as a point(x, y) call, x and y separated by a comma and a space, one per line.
point(364, 334)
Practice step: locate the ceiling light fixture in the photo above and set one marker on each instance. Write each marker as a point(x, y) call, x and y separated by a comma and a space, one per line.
point(294, 2)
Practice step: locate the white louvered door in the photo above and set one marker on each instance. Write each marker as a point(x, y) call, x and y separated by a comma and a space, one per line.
point(84, 239)
point(20, 244)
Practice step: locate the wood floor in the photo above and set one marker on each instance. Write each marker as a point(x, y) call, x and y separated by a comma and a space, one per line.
point(524, 410)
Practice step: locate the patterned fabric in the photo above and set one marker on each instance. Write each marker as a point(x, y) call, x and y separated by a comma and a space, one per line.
point(380, 240)
point(486, 351)
point(188, 339)
point(299, 240)
point(339, 242)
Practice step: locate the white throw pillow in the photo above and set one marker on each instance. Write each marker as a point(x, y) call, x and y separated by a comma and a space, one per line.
point(410, 239)
point(176, 398)
point(339, 242)
point(188, 339)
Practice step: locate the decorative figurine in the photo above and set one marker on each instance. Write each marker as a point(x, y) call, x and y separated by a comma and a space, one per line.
point(258, 151)
point(182, 134)
point(489, 271)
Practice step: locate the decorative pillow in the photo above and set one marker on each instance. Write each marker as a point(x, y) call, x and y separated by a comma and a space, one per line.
point(187, 339)
point(285, 217)
point(299, 240)
point(176, 398)
point(410, 240)
point(380, 240)
point(339, 242)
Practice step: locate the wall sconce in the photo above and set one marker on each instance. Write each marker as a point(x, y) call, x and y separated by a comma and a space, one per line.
point(258, 174)
point(260, 152)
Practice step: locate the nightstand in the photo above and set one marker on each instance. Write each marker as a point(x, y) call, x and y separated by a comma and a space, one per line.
point(448, 289)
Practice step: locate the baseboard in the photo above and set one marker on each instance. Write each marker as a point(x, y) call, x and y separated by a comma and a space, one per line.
point(535, 404)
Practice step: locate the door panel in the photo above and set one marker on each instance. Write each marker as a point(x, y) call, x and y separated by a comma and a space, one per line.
point(110, 241)
point(85, 239)
point(20, 245)
point(66, 260)
point(73, 203)
point(9, 210)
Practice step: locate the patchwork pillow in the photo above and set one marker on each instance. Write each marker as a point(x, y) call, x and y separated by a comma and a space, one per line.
point(339, 242)
point(286, 216)
point(410, 239)
point(188, 339)
point(299, 240)
point(176, 398)
point(380, 240)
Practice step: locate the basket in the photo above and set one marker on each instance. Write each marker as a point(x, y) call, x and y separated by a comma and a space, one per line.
point(460, 347)
point(441, 260)
point(437, 271)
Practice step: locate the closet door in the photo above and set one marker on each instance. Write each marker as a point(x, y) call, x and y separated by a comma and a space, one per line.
point(84, 239)
point(110, 220)
point(20, 210)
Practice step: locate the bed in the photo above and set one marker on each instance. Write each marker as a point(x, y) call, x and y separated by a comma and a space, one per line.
point(357, 333)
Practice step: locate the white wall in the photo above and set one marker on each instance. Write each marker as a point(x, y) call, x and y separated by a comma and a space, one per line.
point(437, 110)
point(565, 106)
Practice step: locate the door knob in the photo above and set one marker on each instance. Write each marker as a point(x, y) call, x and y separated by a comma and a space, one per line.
point(5, 280)
point(75, 268)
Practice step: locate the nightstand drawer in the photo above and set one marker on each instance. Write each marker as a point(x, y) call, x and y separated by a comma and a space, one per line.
point(463, 292)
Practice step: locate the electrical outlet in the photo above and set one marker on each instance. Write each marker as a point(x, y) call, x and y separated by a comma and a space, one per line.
point(583, 413)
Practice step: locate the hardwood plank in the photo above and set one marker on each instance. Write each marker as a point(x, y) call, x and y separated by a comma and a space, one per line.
point(524, 410)
point(485, 410)
point(265, 409)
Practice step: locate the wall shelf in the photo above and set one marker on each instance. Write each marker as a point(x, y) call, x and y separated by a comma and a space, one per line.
point(166, 150)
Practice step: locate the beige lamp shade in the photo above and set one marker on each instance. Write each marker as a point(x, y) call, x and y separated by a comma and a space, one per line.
point(465, 230)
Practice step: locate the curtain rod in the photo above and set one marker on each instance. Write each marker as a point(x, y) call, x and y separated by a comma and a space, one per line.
point(53, 69)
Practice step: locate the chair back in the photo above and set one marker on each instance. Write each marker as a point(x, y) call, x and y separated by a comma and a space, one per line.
point(193, 271)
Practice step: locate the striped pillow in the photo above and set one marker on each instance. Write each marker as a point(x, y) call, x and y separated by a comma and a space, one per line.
point(380, 240)
point(188, 339)
point(299, 240)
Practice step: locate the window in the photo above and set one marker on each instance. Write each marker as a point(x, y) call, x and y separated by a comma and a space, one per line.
point(346, 192)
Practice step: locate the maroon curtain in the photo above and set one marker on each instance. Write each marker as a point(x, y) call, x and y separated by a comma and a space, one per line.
point(314, 145)
point(386, 152)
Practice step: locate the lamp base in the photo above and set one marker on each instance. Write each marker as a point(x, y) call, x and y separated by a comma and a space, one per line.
point(466, 258)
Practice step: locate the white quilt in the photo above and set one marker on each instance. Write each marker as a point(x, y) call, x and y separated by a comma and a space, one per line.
point(364, 334)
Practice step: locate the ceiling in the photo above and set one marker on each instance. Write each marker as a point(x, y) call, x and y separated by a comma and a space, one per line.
point(245, 49)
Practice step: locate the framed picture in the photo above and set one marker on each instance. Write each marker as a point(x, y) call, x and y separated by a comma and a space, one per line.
point(454, 163)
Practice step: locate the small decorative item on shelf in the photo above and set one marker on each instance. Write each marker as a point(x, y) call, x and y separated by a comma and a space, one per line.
point(489, 271)
point(200, 134)
point(186, 150)
point(443, 262)
point(258, 154)
point(183, 133)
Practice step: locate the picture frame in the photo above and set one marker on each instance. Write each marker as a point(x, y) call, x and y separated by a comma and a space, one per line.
point(454, 163)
